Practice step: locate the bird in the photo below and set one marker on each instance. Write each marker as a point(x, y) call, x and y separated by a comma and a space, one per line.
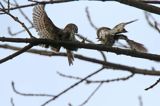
point(120, 28)
point(48, 30)
point(104, 34)
point(69, 35)
point(108, 38)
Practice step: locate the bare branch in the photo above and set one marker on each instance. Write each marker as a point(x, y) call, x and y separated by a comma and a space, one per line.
point(17, 20)
point(29, 94)
point(99, 47)
point(23, 14)
point(16, 33)
point(12, 103)
point(35, 3)
point(153, 85)
point(98, 81)
point(92, 60)
point(72, 86)
point(140, 101)
point(92, 94)
point(152, 1)
point(138, 4)
point(155, 25)
point(89, 18)
point(16, 53)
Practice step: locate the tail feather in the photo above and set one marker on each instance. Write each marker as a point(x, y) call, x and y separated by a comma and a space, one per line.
point(70, 57)
point(137, 46)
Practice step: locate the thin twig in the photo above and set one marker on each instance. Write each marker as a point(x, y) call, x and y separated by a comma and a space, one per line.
point(8, 4)
point(72, 86)
point(16, 33)
point(29, 94)
point(17, 20)
point(16, 53)
point(140, 101)
point(12, 103)
point(92, 94)
point(23, 14)
point(97, 81)
point(11, 4)
point(153, 85)
point(89, 19)
point(155, 25)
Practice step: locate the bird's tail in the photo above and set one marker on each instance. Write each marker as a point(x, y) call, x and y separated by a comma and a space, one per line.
point(133, 45)
point(137, 46)
point(70, 56)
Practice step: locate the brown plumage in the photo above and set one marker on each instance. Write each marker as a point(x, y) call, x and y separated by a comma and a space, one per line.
point(136, 46)
point(69, 35)
point(47, 30)
point(44, 26)
point(132, 44)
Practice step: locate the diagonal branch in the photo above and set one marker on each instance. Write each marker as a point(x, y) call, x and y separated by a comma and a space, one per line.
point(91, 95)
point(72, 86)
point(23, 14)
point(16, 53)
point(153, 85)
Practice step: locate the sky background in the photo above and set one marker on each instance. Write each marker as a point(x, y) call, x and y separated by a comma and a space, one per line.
point(38, 74)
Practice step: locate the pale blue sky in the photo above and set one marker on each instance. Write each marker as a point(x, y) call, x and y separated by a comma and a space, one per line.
point(37, 74)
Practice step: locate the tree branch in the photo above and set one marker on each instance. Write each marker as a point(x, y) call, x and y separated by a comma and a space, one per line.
point(72, 86)
point(29, 94)
point(16, 53)
point(99, 47)
point(92, 60)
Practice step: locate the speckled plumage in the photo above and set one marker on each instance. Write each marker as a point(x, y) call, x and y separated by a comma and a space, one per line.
point(44, 26)
point(47, 30)
point(104, 35)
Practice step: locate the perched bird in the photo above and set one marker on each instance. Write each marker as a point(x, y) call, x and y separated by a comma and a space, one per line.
point(108, 38)
point(119, 28)
point(104, 34)
point(69, 35)
point(48, 30)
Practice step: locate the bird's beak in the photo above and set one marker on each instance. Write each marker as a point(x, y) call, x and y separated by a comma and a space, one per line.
point(124, 30)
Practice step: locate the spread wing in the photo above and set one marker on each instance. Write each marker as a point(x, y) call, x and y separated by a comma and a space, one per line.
point(42, 23)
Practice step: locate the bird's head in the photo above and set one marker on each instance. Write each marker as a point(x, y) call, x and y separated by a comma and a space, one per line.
point(102, 32)
point(71, 28)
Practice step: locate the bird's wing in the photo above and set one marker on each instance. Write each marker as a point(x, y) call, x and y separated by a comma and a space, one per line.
point(42, 23)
